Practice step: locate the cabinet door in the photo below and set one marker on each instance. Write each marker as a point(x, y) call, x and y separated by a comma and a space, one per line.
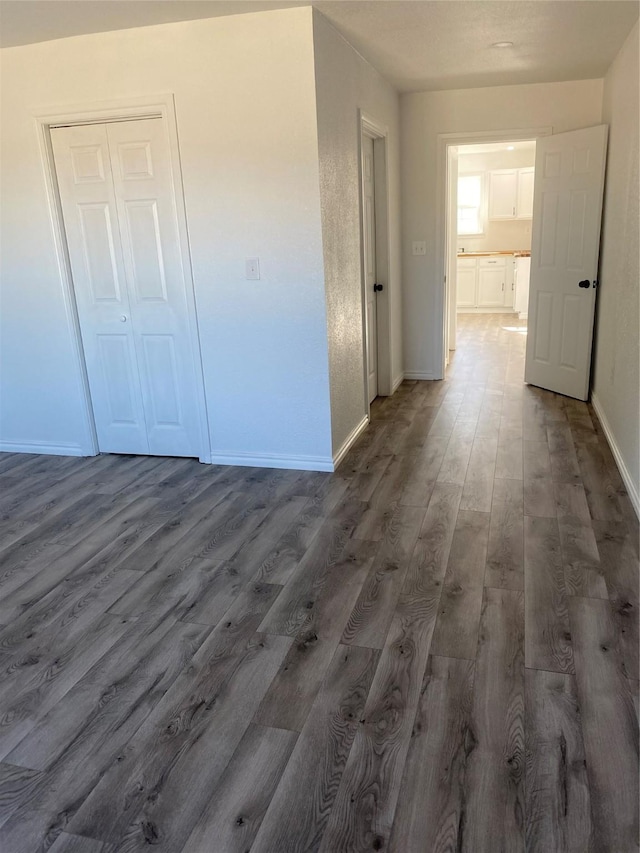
point(523, 269)
point(509, 282)
point(466, 287)
point(524, 204)
point(491, 287)
point(503, 190)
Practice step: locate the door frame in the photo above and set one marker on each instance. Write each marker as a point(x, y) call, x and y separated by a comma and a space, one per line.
point(156, 106)
point(369, 126)
point(445, 296)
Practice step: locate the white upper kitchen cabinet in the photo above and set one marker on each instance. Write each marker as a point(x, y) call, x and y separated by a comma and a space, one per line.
point(503, 192)
point(511, 193)
point(524, 199)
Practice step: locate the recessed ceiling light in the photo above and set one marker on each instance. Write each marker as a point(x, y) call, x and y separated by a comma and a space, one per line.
point(510, 147)
point(502, 44)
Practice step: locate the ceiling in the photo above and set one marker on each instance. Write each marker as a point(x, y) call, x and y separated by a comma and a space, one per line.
point(416, 44)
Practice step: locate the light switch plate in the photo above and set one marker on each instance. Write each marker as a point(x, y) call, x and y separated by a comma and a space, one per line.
point(252, 269)
point(419, 247)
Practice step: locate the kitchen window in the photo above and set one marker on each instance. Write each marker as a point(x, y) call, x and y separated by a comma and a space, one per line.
point(470, 220)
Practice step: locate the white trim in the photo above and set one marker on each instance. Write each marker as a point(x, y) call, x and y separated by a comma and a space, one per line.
point(152, 106)
point(630, 486)
point(379, 132)
point(274, 460)
point(397, 382)
point(444, 141)
point(417, 374)
point(349, 441)
point(42, 447)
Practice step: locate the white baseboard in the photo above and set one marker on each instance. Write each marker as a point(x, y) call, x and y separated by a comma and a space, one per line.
point(274, 460)
point(416, 374)
point(349, 440)
point(397, 383)
point(630, 486)
point(41, 447)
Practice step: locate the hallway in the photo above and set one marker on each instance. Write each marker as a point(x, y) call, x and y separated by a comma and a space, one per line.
point(433, 649)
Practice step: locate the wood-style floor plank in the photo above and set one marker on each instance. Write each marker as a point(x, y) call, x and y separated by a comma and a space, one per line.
point(619, 562)
point(67, 843)
point(494, 804)
point(237, 806)
point(314, 612)
point(362, 815)
point(16, 785)
point(298, 814)
point(548, 635)
point(436, 761)
point(609, 726)
point(456, 633)
point(478, 484)
point(558, 808)
point(505, 549)
point(173, 763)
point(369, 620)
point(113, 697)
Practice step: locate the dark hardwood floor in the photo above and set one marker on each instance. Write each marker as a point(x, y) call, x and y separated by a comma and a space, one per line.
point(433, 649)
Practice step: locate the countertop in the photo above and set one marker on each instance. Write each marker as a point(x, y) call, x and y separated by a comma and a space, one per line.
point(517, 253)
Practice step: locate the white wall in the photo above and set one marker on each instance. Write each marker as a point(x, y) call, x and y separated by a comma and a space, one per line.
point(616, 379)
point(244, 93)
point(345, 83)
point(499, 235)
point(424, 115)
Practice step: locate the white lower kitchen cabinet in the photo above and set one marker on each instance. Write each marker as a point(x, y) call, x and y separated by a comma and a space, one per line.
point(485, 283)
point(521, 281)
point(491, 282)
point(467, 274)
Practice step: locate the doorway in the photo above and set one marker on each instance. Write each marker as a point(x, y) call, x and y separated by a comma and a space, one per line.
point(566, 210)
point(129, 284)
point(489, 219)
point(371, 283)
point(374, 230)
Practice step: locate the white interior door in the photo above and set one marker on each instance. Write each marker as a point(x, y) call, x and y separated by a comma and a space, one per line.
point(567, 211)
point(119, 212)
point(369, 234)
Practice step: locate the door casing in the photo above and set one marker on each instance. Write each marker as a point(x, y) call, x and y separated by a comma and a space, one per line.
point(368, 126)
point(444, 296)
point(157, 106)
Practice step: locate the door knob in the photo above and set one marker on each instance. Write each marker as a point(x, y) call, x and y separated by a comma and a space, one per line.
point(378, 287)
point(585, 283)
point(123, 319)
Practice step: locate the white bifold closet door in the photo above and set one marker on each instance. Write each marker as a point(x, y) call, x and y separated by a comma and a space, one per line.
point(119, 211)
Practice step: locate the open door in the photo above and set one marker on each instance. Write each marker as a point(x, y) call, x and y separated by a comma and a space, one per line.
point(565, 243)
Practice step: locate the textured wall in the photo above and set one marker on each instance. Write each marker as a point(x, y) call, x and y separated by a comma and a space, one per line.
point(562, 106)
point(616, 380)
point(345, 83)
point(244, 92)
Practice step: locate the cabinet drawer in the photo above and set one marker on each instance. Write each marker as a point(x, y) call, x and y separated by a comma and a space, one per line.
point(466, 263)
point(492, 263)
